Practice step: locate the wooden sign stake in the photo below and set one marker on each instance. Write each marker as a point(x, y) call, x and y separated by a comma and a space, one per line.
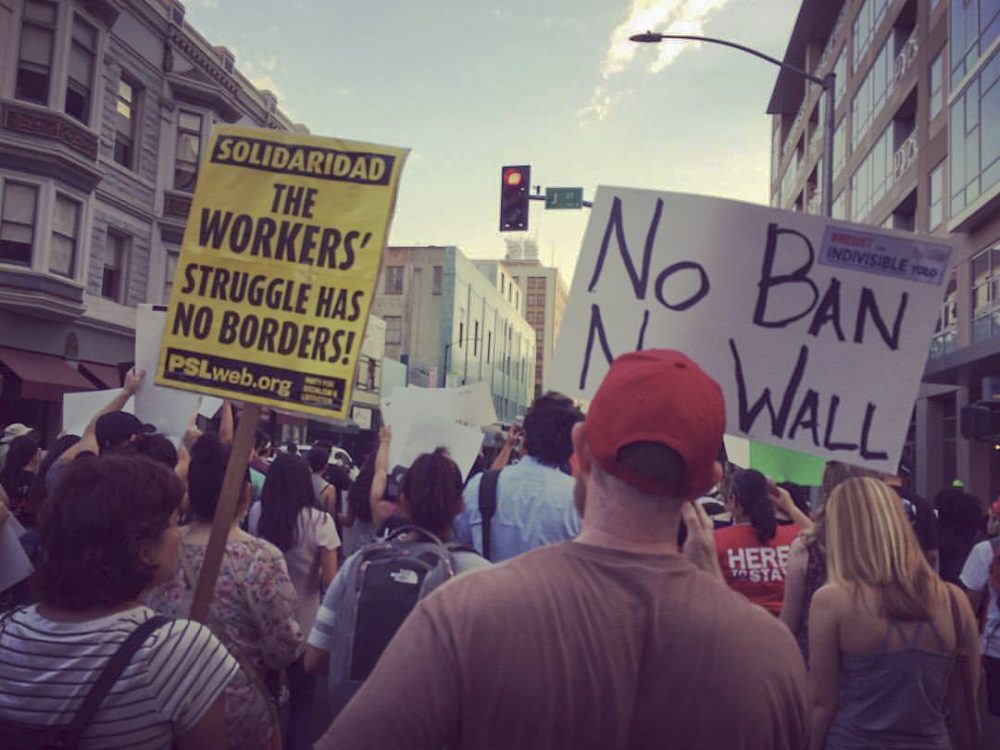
point(233, 483)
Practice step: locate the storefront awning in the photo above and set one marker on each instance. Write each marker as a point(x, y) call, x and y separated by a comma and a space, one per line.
point(43, 376)
point(106, 375)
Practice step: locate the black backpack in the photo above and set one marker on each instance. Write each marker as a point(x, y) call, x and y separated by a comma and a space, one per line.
point(488, 507)
point(391, 576)
point(17, 736)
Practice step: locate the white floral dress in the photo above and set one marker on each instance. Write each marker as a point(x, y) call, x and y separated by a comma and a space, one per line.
point(254, 608)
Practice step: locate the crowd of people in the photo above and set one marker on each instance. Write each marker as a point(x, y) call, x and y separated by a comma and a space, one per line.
point(607, 580)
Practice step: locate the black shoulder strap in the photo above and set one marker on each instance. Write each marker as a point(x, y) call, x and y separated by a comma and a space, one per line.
point(488, 506)
point(109, 676)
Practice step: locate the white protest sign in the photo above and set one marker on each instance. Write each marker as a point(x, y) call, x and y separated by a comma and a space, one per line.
point(167, 409)
point(209, 407)
point(426, 433)
point(737, 450)
point(79, 408)
point(473, 404)
point(15, 565)
point(816, 330)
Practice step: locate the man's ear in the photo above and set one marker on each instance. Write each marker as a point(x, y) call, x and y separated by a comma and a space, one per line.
point(581, 449)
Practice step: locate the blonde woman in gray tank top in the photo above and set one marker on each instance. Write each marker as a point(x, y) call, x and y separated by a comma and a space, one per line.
point(882, 635)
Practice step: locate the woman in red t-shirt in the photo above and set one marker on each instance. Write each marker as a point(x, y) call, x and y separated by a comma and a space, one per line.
point(753, 552)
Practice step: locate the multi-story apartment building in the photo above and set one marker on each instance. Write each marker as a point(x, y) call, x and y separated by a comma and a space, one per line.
point(105, 109)
point(452, 324)
point(916, 147)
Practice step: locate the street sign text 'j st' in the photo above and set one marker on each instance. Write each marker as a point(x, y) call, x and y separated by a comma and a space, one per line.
point(564, 197)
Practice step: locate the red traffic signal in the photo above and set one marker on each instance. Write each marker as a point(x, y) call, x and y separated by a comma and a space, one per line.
point(514, 201)
point(513, 177)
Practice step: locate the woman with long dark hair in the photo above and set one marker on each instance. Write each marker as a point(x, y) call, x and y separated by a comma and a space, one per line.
point(359, 529)
point(253, 608)
point(287, 517)
point(753, 552)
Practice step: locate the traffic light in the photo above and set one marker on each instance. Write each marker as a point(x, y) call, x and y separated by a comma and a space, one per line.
point(514, 182)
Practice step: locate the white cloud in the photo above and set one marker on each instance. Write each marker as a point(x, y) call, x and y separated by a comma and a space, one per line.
point(600, 105)
point(664, 16)
point(261, 73)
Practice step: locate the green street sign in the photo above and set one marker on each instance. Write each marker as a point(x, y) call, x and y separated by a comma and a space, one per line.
point(563, 197)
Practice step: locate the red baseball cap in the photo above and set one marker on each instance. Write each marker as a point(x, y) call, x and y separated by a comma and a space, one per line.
point(659, 396)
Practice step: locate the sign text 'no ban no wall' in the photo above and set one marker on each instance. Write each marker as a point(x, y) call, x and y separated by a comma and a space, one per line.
point(817, 331)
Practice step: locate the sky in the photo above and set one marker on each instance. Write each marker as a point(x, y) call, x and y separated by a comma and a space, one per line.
point(471, 85)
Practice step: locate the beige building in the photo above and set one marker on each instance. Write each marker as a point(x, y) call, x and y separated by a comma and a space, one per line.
point(916, 148)
point(545, 295)
point(451, 324)
point(105, 110)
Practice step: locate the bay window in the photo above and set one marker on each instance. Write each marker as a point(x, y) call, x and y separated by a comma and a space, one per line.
point(18, 210)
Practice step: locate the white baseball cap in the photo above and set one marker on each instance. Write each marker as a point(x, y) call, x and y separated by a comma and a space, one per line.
point(14, 431)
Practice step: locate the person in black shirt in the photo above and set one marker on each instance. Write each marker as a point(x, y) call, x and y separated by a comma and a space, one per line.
point(920, 514)
point(18, 473)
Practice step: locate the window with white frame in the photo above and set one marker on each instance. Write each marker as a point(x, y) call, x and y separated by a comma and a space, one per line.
point(57, 59)
point(866, 24)
point(393, 329)
point(839, 147)
point(985, 296)
point(65, 236)
point(946, 329)
point(170, 271)
point(126, 123)
point(872, 94)
point(18, 210)
point(393, 280)
point(840, 71)
point(80, 71)
point(188, 152)
point(114, 277)
point(937, 85)
point(34, 64)
point(935, 203)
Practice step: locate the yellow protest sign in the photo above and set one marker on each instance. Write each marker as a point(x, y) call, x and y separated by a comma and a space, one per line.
point(278, 267)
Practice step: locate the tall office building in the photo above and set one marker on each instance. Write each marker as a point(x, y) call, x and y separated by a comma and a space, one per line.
point(545, 295)
point(916, 147)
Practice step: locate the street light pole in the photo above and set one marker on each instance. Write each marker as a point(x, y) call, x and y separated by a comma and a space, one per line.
point(829, 85)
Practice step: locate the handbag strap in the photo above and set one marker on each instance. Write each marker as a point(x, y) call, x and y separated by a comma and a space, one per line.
point(109, 676)
point(961, 659)
point(488, 507)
